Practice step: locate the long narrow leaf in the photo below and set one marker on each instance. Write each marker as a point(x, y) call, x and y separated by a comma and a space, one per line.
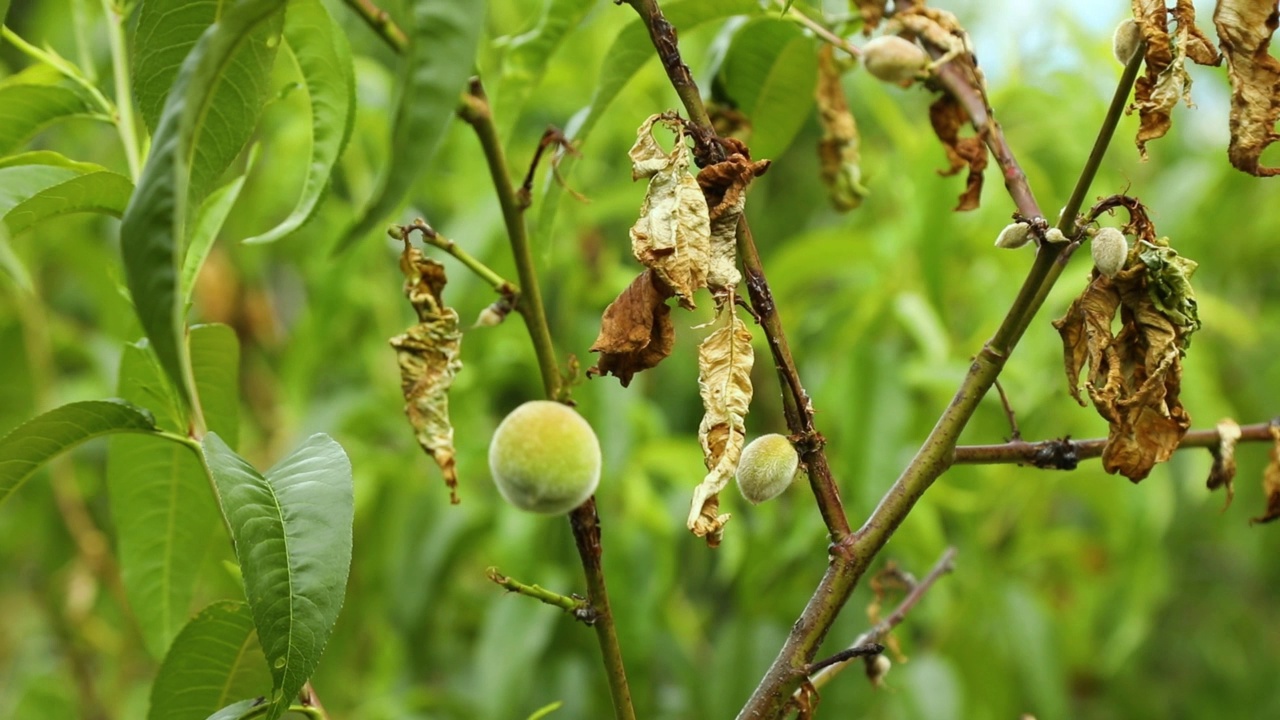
point(292, 531)
point(444, 35)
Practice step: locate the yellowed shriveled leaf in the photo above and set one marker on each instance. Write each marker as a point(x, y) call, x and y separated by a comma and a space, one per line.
point(428, 357)
point(673, 233)
point(1271, 480)
point(1223, 472)
point(724, 184)
point(636, 331)
point(1165, 81)
point(838, 150)
point(947, 118)
point(724, 379)
point(1245, 28)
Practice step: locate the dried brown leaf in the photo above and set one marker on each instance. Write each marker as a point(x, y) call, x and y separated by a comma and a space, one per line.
point(1223, 472)
point(636, 331)
point(428, 354)
point(673, 234)
point(724, 185)
point(1165, 80)
point(1271, 480)
point(1245, 28)
point(725, 359)
point(947, 118)
point(838, 150)
point(872, 11)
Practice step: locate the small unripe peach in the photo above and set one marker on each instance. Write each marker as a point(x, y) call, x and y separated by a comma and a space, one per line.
point(1055, 236)
point(767, 466)
point(1110, 250)
point(1125, 41)
point(1013, 236)
point(545, 458)
point(893, 59)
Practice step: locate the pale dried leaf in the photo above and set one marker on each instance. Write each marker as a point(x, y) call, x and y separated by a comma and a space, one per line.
point(1223, 472)
point(1245, 28)
point(724, 381)
point(673, 234)
point(1271, 480)
point(428, 355)
point(636, 331)
point(1166, 81)
point(724, 185)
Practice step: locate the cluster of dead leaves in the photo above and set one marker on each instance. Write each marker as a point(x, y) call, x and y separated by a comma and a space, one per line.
point(1244, 30)
point(1223, 472)
point(428, 355)
point(1135, 375)
point(838, 151)
point(686, 239)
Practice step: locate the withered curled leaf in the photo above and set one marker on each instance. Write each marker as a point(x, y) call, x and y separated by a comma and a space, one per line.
point(1271, 480)
point(1135, 376)
point(1245, 28)
point(673, 234)
point(1223, 472)
point(1169, 282)
point(725, 359)
point(1166, 80)
point(947, 118)
point(871, 11)
point(429, 360)
point(636, 331)
point(838, 150)
point(724, 185)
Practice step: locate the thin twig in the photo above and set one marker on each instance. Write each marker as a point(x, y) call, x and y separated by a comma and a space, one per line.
point(1064, 453)
point(841, 658)
point(551, 136)
point(1015, 433)
point(429, 236)
point(586, 534)
point(944, 565)
point(381, 22)
point(308, 698)
point(821, 31)
point(576, 606)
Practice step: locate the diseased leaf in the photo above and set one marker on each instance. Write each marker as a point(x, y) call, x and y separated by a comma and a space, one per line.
point(323, 55)
point(1245, 28)
point(725, 359)
point(872, 11)
point(947, 118)
point(215, 659)
point(429, 360)
point(724, 185)
point(1271, 480)
point(673, 235)
point(1169, 282)
point(1223, 472)
point(1166, 80)
point(636, 331)
point(839, 155)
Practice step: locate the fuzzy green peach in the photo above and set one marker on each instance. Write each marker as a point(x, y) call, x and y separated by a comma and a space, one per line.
point(545, 458)
point(767, 466)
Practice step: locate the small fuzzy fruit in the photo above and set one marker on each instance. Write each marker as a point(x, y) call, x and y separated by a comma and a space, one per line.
point(877, 667)
point(767, 466)
point(1055, 236)
point(1013, 236)
point(894, 60)
point(1125, 41)
point(1110, 250)
point(545, 458)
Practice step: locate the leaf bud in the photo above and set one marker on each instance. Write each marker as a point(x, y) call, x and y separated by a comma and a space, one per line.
point(767, 466)
point(894, 60)
point(1110, 250)
point(396, 232)
point(1124, 43)
point(1014, 235)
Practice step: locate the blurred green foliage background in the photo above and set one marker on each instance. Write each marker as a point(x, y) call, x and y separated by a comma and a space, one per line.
point(1075, 594)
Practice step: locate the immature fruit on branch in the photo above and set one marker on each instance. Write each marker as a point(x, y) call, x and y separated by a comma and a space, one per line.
point(767, 467)
point(894, 60)
point(1055, 236)
point(877, 667)
point(545, 458)
point(1013, 236)
point(1109, 250)
point(1125, 41)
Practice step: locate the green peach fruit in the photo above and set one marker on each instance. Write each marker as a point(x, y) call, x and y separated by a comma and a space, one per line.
point(545, 458)
point(767, 466)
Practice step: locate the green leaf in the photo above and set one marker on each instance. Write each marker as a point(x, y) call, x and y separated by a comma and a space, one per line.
point(25, 109)
point(204, 231)
point(167, 33)
point(234, 711)
point(12, 265)
point(154, 222)
point(292, 531)
point(526, 59)
point(101, 192)
point(444, 36)
point(161, 504)
point(324, 59)
point(24, 176)
point(39, 440)
point(214, 659)
point(770, 72)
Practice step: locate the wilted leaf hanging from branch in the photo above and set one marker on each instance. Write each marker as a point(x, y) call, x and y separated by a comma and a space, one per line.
point(838, 150)
point(1223, 472)
point(1271, 480)
point(724, 379)
point(947, 118)
point(673, 233)
point(428, 356)
point(1245, 28)
point(1169, 283)
point(636, 331)
point(1166, 81)
point(724, 185)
